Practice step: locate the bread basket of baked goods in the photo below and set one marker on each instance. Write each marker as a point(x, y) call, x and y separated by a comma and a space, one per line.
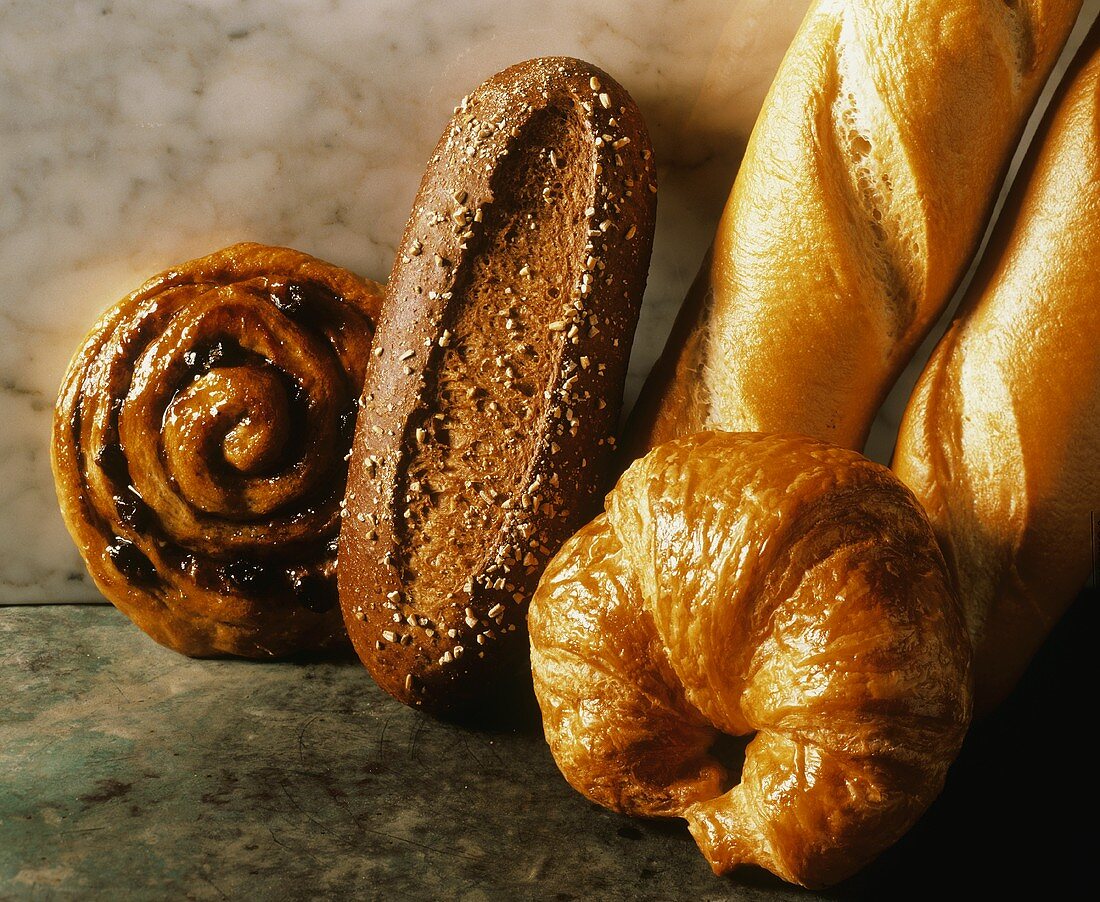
point(263, 455)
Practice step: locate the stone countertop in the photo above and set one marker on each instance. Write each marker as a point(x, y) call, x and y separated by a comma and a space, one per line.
point(129, 772)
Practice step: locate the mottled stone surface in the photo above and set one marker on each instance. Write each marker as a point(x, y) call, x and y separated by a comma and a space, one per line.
point(125, 765)
point(129, 772)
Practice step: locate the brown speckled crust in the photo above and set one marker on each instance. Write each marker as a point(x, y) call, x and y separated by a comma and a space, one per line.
point(860, 201)
point(491, 400)
point(1001, 438)
point(756, 584)
point(199, 449)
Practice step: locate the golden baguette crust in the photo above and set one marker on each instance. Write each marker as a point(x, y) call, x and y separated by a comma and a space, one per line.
point(861, 198)
point(767, 584)
point(199, 449)
point(1001, 438)
point(488, 416)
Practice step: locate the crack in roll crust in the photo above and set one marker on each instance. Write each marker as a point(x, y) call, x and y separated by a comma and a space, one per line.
point(199, 449)
point(750, 584)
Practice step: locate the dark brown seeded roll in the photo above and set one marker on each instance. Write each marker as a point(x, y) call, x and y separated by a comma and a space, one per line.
point(490, 403)
point(199, 449)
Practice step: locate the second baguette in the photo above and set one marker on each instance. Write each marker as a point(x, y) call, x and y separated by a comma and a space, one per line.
point(1001, 438)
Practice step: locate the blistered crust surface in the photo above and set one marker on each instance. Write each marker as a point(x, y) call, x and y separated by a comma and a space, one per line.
point(863, 193)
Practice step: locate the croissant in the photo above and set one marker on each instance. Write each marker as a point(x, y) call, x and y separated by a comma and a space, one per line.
point(199, 449)
point(756, 584)
point(1001, 437)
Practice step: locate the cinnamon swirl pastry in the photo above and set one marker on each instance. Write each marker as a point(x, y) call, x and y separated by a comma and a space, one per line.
point(199, 449)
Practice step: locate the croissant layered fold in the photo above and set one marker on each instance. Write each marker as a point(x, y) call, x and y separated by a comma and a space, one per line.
point(199, 444)
point(770, 585)
point(1001, 439)
point(862, 196)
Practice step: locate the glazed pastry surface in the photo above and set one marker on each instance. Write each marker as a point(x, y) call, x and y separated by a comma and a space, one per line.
point(1001, 438)
point(863, 193)
point(767, 586)
point(199, 449)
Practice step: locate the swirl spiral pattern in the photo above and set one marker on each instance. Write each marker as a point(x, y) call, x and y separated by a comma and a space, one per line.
point(768, 586)
point(200, 442)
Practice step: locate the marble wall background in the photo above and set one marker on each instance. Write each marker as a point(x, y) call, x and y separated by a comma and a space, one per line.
point(135, 135)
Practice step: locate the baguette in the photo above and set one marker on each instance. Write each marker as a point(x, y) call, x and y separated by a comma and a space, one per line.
point(488, 413)
point(1001, 437)
point(861, 199)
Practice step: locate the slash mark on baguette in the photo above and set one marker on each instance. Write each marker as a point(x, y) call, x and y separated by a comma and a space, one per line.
point(1022, 40)
point(879, 185)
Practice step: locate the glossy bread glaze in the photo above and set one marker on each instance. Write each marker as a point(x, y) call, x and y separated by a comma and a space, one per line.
point(199, 449)
point(860, 201)
point(1001, 438)
point(743, 584)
